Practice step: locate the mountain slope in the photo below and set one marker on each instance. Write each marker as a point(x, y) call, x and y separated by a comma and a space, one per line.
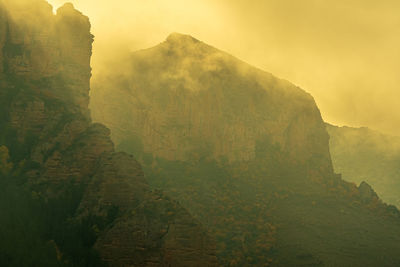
point(247, 154)
point(188, 88)
point(361, 154)
point(67, 198)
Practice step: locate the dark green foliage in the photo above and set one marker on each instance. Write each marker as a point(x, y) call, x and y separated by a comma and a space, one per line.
point(230, 207)
point(22, 228)
point(42, 232)
point(34, 230)
point(269, 210)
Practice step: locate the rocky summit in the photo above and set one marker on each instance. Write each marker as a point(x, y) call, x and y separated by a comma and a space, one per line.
point(185, 96)
point(67, 198)
point(246, 153)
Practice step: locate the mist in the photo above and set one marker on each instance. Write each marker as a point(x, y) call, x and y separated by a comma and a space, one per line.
point(187, 153)
point(345, 53)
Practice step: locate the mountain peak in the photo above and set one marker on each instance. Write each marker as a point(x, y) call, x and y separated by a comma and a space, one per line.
point(68, 9)
point(183, 46)
point(68, 5)
point(179, 38)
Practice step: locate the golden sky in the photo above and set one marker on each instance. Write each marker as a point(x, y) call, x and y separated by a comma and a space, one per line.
point(346, 53)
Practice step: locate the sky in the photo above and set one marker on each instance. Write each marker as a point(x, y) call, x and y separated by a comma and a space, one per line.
point(346, 53)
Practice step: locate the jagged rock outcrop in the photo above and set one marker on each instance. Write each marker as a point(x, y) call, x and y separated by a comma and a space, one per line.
point(362, 154)
point(246, 153)
point(55, 59)
point(67, 164)
point(366, 192)
point(168, 241)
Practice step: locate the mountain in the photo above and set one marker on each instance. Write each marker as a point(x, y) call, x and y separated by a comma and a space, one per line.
point(190, 88)
point(66, 197)
point(246, 153)
point(362, 154)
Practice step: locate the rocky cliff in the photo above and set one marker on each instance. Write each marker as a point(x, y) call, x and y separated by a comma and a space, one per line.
point(362, 154)
point(246, 153)
point(183, 97)
point(54, 58)
point(80, 202)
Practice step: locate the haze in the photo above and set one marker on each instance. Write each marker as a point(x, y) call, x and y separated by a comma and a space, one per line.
point(345, 53)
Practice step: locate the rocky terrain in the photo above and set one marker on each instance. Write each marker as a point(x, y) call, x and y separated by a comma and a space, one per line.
point(183, 105)
point(362, 154)
point(247, 154)
point(67, 198)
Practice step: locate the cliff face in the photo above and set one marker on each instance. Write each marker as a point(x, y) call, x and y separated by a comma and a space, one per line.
point(361, 154)
point(184, 96)
point(85, 198)
point(55, 58)
point(246, 153)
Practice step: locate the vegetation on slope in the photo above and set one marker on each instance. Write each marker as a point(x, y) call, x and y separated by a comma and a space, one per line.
point(361, 154)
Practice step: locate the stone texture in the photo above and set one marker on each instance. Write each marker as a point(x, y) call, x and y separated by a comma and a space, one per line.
point(246, 153)
point(156, 233)
point(183, 97)
point(55, 59)
point(367, 193)
point(44, 119)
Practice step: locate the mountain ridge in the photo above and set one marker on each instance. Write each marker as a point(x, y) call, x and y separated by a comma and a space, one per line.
point(246, 153)
point(362, 154)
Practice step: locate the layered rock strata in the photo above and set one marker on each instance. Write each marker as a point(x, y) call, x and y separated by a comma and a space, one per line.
point(57, 151)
